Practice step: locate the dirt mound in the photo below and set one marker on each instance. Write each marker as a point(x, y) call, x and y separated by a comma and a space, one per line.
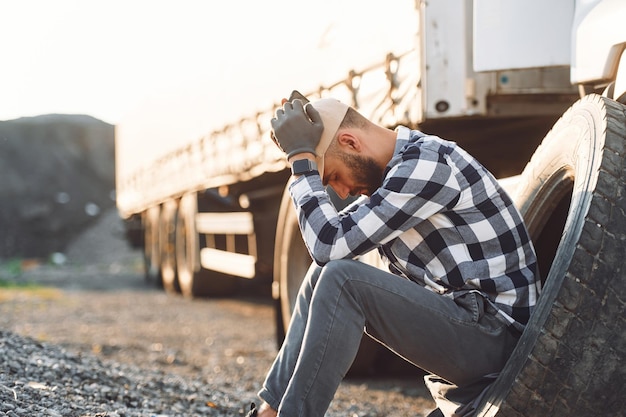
point(58, 177)
point(102, 243)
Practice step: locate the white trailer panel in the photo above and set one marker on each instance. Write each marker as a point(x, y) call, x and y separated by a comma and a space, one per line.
point(522, 34)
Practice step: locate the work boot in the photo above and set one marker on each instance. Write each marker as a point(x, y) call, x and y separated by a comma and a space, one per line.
point(252, 412)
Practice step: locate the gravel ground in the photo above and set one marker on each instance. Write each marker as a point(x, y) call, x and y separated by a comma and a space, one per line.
point(92, 339)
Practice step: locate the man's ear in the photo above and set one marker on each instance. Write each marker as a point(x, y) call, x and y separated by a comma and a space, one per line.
point(348, 140)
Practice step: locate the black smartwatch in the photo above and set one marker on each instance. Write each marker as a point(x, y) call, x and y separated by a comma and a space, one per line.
point(303, 166)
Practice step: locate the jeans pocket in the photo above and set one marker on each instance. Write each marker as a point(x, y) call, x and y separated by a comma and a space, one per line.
point(472, 303)
point(484, 314)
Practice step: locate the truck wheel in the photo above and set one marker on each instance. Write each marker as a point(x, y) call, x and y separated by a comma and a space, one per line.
point(151, 251)
point(569, 360)
point(195, 281)
point(167, 236)
point(291, 263)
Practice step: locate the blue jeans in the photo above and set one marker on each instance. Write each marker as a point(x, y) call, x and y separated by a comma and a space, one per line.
point(460, 341)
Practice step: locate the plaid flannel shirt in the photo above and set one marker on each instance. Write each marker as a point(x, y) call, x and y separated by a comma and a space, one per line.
point(439, 219)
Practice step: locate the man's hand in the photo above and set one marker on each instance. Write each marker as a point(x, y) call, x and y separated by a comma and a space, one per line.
point(297, 128)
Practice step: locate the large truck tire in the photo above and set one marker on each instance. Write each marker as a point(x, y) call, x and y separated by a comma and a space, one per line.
point(167, 236)
point(291, 263)
point(151, 251)
point(195, 281)
point(569, 360)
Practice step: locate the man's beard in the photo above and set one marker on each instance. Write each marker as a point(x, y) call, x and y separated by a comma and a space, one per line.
point(365, 171)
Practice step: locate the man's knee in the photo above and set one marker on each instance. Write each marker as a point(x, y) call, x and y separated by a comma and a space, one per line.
point(337, 272)
point(313, 274)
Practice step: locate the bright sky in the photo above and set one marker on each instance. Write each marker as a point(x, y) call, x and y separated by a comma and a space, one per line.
point(109, 58)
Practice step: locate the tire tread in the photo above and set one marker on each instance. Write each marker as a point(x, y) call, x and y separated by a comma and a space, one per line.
point(575, 364)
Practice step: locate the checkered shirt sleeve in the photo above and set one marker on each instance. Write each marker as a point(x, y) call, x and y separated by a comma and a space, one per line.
point(440, 219)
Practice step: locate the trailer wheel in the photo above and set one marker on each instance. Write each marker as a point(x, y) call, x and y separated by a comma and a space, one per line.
point(569, 361)
point(194, 280)
point(151, 251)
point(167, 235)
point(291, 263)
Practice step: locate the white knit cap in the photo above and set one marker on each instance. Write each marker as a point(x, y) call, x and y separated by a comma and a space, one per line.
point(332, 112)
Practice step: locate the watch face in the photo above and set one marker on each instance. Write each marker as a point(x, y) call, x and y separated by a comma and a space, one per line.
point(303, 166)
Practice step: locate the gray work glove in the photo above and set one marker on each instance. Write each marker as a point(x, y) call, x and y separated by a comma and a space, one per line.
point(297, 128)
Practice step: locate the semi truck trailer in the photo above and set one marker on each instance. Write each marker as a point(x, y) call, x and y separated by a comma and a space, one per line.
point(535, 90)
